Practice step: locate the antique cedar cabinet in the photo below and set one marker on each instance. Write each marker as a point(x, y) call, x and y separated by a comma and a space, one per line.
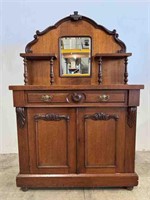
point(76, 122)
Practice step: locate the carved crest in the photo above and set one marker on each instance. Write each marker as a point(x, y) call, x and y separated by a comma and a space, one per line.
point(50, 117)
point(75, 16)
point(131, 119)
point(101, 116)
point(21, 118)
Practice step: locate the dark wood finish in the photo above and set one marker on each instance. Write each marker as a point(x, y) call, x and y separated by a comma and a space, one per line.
point(50, 97)
point(52, 131)
point(112, 55)
point(134, 98)
point(51, 72)
point(80, 131)
point(25, 72)
point(100, 70)
point(107, 139)
point(129, 188)
point(38, 56)
point(130, 140)
point(77, 87)
point(21, 117)
point(126, 71)
point(19, 98)
point(79, 180)
point(24, 189)
point(76, 16)
point(23, 147)
point(131, 119)
point(79, 18)
point(101, 116)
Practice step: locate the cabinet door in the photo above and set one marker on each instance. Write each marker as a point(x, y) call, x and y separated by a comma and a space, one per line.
point(101, 140)
point(52, 140)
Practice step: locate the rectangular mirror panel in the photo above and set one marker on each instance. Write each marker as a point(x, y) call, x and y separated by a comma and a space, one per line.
point(75, 56)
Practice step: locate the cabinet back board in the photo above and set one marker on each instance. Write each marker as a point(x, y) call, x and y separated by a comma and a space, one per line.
point(103, 42)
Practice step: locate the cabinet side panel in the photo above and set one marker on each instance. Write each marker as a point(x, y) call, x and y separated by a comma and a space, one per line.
point(18, 97)
point(134, 97)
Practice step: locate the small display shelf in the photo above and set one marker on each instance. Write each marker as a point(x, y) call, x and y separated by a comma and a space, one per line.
point(100, 56)
point(112, 55)
point(38, 56)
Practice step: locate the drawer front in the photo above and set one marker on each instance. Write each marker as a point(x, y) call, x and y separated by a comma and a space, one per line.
point(77, 97)
point(106, 97)
point(46, 97)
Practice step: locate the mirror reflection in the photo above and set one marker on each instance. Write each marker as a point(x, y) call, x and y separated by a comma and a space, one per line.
point(75, 56)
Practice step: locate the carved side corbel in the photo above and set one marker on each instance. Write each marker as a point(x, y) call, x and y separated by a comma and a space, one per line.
point(131, 118)
point(21, 117)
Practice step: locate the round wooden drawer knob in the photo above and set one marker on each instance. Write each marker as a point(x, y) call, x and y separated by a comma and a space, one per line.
point(76, 97)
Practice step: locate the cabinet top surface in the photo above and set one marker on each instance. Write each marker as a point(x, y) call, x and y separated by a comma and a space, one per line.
point(76, 87)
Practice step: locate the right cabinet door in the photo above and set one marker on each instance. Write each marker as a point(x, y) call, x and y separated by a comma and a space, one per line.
point(101, 140)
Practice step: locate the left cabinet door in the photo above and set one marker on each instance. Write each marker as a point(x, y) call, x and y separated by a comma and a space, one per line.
point(52, 140)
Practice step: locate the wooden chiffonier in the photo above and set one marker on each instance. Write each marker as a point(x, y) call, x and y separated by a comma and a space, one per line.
point(76, 113)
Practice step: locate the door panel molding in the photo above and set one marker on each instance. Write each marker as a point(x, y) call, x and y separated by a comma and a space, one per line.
point(52, 137)
point(100, 142)
point(104, 136)
point(54, 118)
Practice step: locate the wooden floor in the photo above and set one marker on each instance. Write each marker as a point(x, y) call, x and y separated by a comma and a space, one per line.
point(9, 191)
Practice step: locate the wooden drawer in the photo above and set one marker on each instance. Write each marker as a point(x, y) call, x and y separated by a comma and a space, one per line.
point(76, 97)
point(46, 97)
point(106, 97)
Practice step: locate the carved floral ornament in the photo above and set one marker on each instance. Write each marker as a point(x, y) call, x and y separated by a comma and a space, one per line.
point(131, 118)
point(50, 117)
point(21, 117)
point(101, 116)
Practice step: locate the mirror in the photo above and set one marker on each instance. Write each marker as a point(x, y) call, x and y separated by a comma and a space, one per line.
point(75, 56)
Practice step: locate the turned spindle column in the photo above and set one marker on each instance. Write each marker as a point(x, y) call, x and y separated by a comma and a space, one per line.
point(51, 71)
point(25, 72)
point(100, 70)
point(126, 71)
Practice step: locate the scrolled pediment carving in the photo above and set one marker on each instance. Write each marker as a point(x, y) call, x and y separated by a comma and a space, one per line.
point(75, 18)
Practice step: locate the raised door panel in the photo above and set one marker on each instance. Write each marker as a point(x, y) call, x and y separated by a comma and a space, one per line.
point(101, 136)
point(52, 140)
